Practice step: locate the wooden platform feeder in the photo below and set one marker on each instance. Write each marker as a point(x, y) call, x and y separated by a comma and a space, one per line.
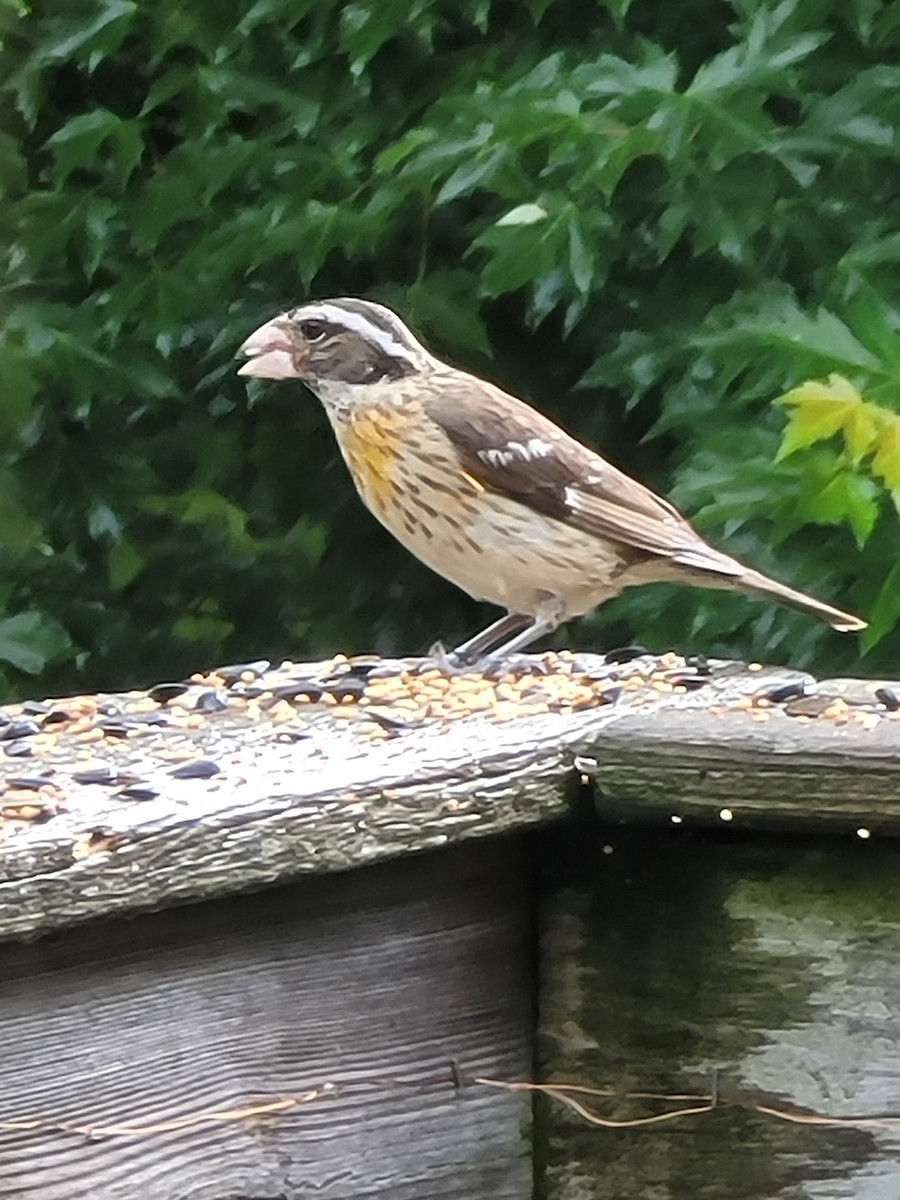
point(314, 930)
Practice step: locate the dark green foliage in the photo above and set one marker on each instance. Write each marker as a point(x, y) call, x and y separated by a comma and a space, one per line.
point(651, 219)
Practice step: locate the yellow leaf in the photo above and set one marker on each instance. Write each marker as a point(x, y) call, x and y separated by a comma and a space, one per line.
point(823, 409)
point(836, 388)
point(886, 462)
point(862, 429)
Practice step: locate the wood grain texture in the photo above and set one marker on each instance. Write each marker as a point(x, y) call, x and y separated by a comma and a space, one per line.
point(372, 982)
point(279, 808)
point(769, 775)
point(772, 964)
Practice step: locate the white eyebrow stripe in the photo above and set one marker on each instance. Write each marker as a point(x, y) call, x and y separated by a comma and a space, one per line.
point(501, 456)
point(333, 314)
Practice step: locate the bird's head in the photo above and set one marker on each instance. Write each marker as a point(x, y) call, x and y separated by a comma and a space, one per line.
point(334, 342)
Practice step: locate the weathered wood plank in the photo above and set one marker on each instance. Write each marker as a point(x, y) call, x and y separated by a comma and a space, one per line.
point(132, 802)
point(773, 774)
point(773, 965)
point(371, 982)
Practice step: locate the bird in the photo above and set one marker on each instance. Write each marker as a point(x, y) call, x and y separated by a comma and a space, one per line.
point(484, 489)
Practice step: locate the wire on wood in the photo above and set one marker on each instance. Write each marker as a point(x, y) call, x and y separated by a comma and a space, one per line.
point(568, 1094)
point(250, 1112)
point(565, 1093)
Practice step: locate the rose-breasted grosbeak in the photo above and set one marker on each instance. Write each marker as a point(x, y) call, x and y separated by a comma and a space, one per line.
point(484, 489)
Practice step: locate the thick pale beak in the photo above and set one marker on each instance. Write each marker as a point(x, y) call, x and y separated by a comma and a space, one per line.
point(272, 352)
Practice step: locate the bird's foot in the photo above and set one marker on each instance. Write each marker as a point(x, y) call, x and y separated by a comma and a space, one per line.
point(452, 662)
point(491, 666)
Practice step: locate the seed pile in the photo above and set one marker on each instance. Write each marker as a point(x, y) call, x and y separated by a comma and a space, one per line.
point(135, 745)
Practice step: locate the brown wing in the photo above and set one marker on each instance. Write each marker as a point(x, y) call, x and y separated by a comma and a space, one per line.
point(517, 452)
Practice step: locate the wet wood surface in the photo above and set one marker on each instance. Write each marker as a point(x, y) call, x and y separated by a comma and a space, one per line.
point(257, 774)
point(770, 774)
point(759, 975)
point(319, 1039)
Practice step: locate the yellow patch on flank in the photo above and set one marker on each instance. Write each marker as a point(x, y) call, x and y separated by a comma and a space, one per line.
point(474, 482)
point(371, 444)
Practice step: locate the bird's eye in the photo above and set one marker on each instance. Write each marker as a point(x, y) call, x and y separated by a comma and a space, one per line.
point(313, 331)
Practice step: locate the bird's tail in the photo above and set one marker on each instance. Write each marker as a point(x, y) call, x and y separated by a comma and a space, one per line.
point(845, 622)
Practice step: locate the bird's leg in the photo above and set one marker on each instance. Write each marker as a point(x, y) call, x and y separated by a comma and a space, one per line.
point(479, 645)
point(550, 612)
point(536, 629)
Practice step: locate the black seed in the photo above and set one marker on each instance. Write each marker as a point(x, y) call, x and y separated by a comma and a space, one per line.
point(391, 671)
point(388, 720)
point(117, 729)
point(787, 691)
point(28, 781)
point(625, 654)
point(364, 663)
point(103, 839)
point(137, 792)
point(201, 769)
point(35, 708)
point(438, 656)
point(212, 701)
point(699, 662)
point(110, 710)
point(236, 671)
point(492, 671)
point(19, 750)
point(287, 735)
point(290, 691)
point(163, 693)
point(249, 693)
point(521, 665)
point(56, 717)
point(691, 683)
point(808, 706)
point(103, 775)
point(889, 697)
point(347, 686)
point(611, 695)
point(19, 729)
point(585, 669)
point(535, 666)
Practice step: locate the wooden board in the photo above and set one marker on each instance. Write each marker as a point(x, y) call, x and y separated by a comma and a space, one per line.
point(237, 780)
point(765, 970)
point(771, 774)
point(378, 993)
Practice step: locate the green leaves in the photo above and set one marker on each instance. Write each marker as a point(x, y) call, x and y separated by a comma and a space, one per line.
point(772, 43)
point(689, 215)
point(71, 38)
point(78, 142)
point(30, 641)
point(89, 33)
point(823, 336)
point(365, 28)
point(203, 507)
point(847, 499)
